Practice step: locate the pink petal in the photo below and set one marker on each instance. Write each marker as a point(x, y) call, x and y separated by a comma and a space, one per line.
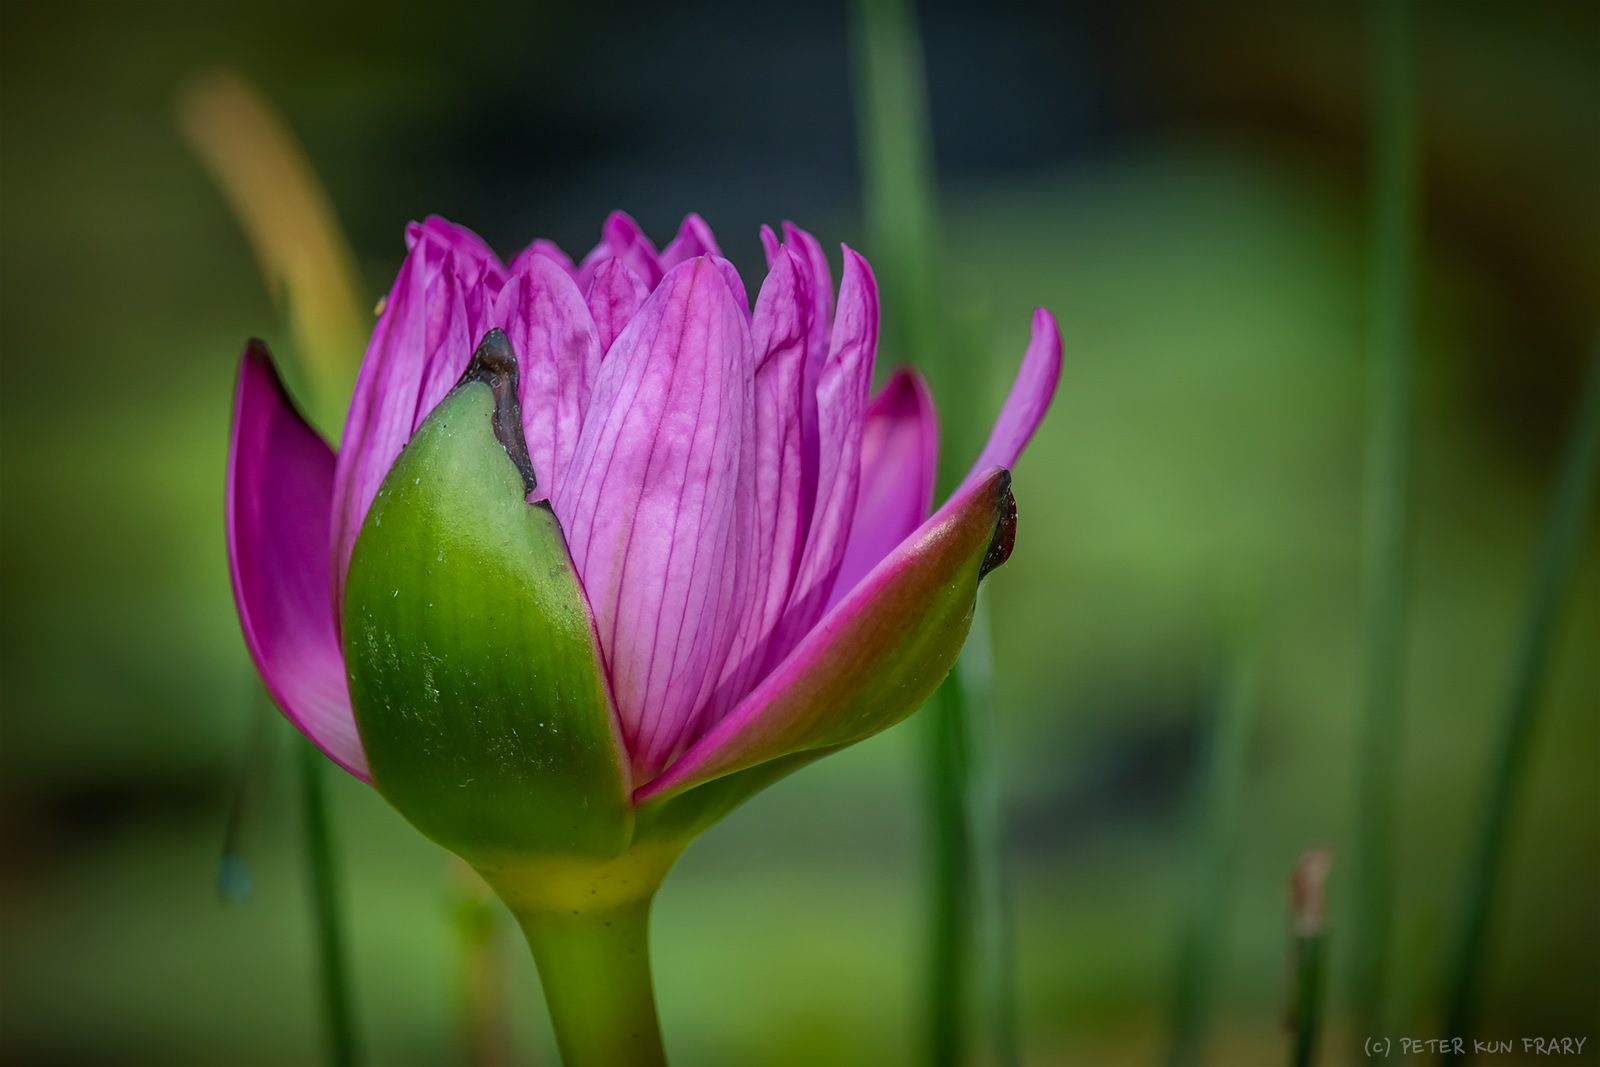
point(400, 381)
point(899, 463)
point(774, 462)
point(841, 408)
point(875, 657)
point(694, 239)
point(443, 236)
point(280, 487)
point(1028, 400)
point(819, 328)
point(615, 296)
point(650, 510)
point(558, 358)
point(621, 238)
point(475, 263)
point(730, 274)
point(541, 247)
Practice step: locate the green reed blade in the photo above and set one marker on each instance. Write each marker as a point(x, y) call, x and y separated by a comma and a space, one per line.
point(1385, 517)
point(1214, 820)
point(1560, 548)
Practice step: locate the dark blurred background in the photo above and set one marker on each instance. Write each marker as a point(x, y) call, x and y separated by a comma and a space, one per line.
point(1184, 185)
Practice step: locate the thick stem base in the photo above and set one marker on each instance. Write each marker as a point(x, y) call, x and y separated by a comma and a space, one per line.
point(589, 928)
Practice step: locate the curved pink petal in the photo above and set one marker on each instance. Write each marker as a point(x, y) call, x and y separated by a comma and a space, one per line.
point(558, 359)
point(621, 238)
point(1028, 400)
point(280, 486)
point(730, 275)
point(650, 507)
point(819, 329)
point(694, 239)
point(899, 463)
point(876, 656)
point(615, 296)
point(774, 463)
point(841, 407)
point(475, 263)
point(541, 247)
point(400, 381)
point(444, 236)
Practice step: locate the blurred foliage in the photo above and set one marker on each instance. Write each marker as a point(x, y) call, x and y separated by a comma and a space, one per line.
point(1183, 190)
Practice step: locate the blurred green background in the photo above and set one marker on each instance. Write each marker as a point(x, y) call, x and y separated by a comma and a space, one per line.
point(1184, 187)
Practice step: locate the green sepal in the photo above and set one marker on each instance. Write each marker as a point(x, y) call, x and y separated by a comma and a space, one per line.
point(474, 671)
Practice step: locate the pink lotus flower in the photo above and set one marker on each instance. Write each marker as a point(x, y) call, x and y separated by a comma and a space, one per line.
point(718, 563)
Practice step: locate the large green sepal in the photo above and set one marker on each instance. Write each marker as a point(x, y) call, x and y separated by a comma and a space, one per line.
point(476, 678)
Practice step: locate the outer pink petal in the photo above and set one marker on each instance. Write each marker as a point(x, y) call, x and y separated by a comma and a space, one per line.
point(841, 408)
point(774, 463)
point(694, 239)
point(1028, 400)
point(899, 463)
point(876, 656)
point(621, 238)
point(280, 488)
point(558, 357)
point(650, 506)
point(400, 381)
point(549, 250)
point(615, 296)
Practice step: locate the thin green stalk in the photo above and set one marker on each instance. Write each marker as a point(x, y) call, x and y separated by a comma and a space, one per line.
point(1308, 968)
point(1560, 548)
point(339, 1018)
point(950, 973)
point(991, 884)
point(1385, 510)
point(1308, 957)
point(900, 200)
point(1214, 821)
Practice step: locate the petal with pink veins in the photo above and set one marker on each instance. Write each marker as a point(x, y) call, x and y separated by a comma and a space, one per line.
point(875, 657)
point(541, 247)
point(615, 296)
point(650, 505)
point(621, 238)
point(841, 409)
point(694, 239)
point(425, 310)
point(280, 488)
point(558, 359)
point(778, 333)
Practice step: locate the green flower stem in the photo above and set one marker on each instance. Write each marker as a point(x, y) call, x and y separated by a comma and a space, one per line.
point(339, 1017)
point(588, 924)
point(1559, 551)
point(1385, 518)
